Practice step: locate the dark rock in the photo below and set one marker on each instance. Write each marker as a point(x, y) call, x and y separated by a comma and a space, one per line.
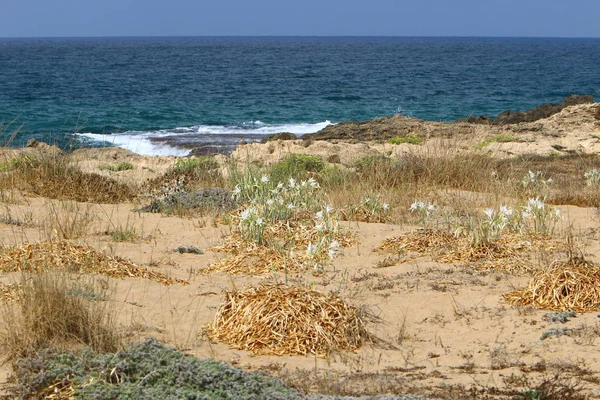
point(280, 136)
point(334, 159)
point(543, 111)
point(45, 147)
point(211, 150)
point(481, 120)
point(577, 99)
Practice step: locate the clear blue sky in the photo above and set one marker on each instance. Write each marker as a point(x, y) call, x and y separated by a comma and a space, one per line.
point(41, 18)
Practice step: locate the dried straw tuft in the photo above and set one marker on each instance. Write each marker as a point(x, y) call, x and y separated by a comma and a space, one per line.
point(281, 319)
point(510, 253)
point(572, 285)
point(74, 258)
point(9, 292)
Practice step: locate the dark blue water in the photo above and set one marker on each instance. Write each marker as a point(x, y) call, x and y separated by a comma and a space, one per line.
point(140, 88)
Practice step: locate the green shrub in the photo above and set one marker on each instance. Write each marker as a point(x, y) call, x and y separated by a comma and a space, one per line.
point(148, 370)
point(202, 163)
point(124, 166)
point(334, 177)
point(500, 138)
point(296, 166)
point(410, 139)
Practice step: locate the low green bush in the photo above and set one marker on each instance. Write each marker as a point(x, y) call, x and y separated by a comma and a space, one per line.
point(124, 166)
point(410, 139)
point(296, 166)
point(148, 370)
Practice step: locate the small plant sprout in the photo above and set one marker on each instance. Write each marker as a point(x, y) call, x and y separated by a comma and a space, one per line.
point(592, 177)
point(424, 208)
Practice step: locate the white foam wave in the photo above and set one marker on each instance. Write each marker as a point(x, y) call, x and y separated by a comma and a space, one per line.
point(139, 144)
point(259, 128)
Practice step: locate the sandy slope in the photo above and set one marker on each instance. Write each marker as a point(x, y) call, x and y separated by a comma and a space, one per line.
point(442, 324)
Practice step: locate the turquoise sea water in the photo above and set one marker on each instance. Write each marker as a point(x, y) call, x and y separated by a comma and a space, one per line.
point(215, 90)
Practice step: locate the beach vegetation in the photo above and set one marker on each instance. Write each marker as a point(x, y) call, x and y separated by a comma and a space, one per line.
point(50, 313)
point(500, 138)
point(409, 139)
point(52, 177)
point(124, 166)
point(296, 166)
point(195, 164)
point(147, 370)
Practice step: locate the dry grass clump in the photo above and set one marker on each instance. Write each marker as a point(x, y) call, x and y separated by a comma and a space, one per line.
point(281, 319)
point(52, 177)
point(9, 292)
point(419, 241)
point(53, 310)
point(571, 285)
point(73, 258)
point(285, 249)
point(510, 253)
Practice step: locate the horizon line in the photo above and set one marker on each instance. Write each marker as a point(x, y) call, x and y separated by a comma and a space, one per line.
point(299, 36)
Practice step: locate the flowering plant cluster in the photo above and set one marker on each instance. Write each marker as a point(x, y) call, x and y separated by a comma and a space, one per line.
point(424, 208)
point(302, 201)
point(371, 208)
point(535, 181)
point(488, 229)
point(538, 217)
point(592, 177)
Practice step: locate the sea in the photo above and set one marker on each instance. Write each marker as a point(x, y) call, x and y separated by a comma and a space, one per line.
point(171, 95)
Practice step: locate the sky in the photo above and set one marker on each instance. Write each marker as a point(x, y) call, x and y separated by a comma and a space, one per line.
point(523, 18)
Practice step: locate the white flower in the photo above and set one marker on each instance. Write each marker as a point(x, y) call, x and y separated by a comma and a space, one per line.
point(558, 213)
point(328, 209)
point(535, 204)
point(280, 185)
point(246, 214)
point(292, 182)
point(259, 221)
point(526, 214)
point(313, 184)
point(385, 206)
point(311, 249)
point(291, 206)
point(269, 202)
point(415, 206)
point(506, 211)
point(489, 212)
point(303, 183)
point(319, 227)
point(319, 214)
point(264, 179)
point(334, 247)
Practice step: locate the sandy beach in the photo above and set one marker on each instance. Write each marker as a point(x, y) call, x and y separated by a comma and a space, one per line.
point(439, 314)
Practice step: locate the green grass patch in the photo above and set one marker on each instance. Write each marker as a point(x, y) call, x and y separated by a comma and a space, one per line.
point(296, 166)
point(501, 138)
point(410, 139)
point(190, 164)
point(124, 235)
point(124, 166)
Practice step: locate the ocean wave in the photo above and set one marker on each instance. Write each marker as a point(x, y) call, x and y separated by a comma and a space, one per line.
point(149, 142)
point(139, 143)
